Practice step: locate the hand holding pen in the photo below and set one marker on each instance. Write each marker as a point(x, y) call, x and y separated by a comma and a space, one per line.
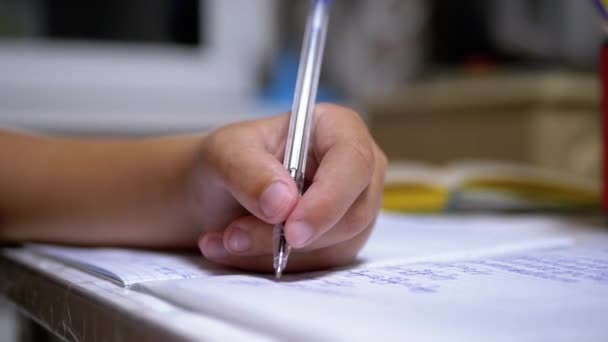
point(246, 191)
point(326, 225)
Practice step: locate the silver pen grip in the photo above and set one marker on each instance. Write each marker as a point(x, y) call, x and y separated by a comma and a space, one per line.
point(306, 90)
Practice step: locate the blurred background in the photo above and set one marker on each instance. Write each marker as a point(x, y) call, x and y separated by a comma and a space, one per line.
point(437, 81)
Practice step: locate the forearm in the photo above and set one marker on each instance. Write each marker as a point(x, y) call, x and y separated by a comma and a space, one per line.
point(109, 192)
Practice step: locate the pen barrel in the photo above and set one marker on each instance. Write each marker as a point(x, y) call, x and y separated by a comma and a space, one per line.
point(305, 95)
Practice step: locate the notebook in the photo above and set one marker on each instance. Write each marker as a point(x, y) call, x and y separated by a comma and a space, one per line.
point(544, 295)
point(127, 267)
point(396, 237)
point(425, 278)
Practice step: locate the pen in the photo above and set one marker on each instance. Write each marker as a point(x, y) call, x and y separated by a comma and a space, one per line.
point(296, 148)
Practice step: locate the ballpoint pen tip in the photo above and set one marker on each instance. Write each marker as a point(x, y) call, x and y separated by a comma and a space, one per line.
point(280, 259)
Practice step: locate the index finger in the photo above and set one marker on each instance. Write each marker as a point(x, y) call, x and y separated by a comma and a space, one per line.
point(342, 144)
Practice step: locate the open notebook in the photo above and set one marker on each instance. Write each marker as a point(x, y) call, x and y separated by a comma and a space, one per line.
point(396, 238)
point(427, 278)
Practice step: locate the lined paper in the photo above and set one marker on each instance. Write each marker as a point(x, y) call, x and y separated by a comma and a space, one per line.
point(396, 237)
point(550, 295)
point(130, 266)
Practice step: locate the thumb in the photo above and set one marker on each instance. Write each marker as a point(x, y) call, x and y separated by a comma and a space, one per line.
point(259, 182)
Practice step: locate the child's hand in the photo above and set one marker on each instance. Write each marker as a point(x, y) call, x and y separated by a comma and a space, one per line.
point(244, 190)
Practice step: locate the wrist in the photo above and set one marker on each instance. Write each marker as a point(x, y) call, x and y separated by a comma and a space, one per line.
point(187, 179)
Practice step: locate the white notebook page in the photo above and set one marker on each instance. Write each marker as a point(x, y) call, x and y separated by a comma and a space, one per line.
point(396, 237)
point(544, 295)
point(130, 266)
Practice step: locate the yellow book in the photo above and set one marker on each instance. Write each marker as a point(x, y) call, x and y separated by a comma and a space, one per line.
point(485, 185)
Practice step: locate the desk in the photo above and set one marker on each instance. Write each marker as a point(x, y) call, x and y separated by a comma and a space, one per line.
point(81, 307)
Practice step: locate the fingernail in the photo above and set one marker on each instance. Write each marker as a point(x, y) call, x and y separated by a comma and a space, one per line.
point(214, 248)
point(274, 198)
point(301, 233)
point(239, 241)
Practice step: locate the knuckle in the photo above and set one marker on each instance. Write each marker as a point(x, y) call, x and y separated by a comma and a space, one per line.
point(322, 213)
point(328, 111)
point(365, 153)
